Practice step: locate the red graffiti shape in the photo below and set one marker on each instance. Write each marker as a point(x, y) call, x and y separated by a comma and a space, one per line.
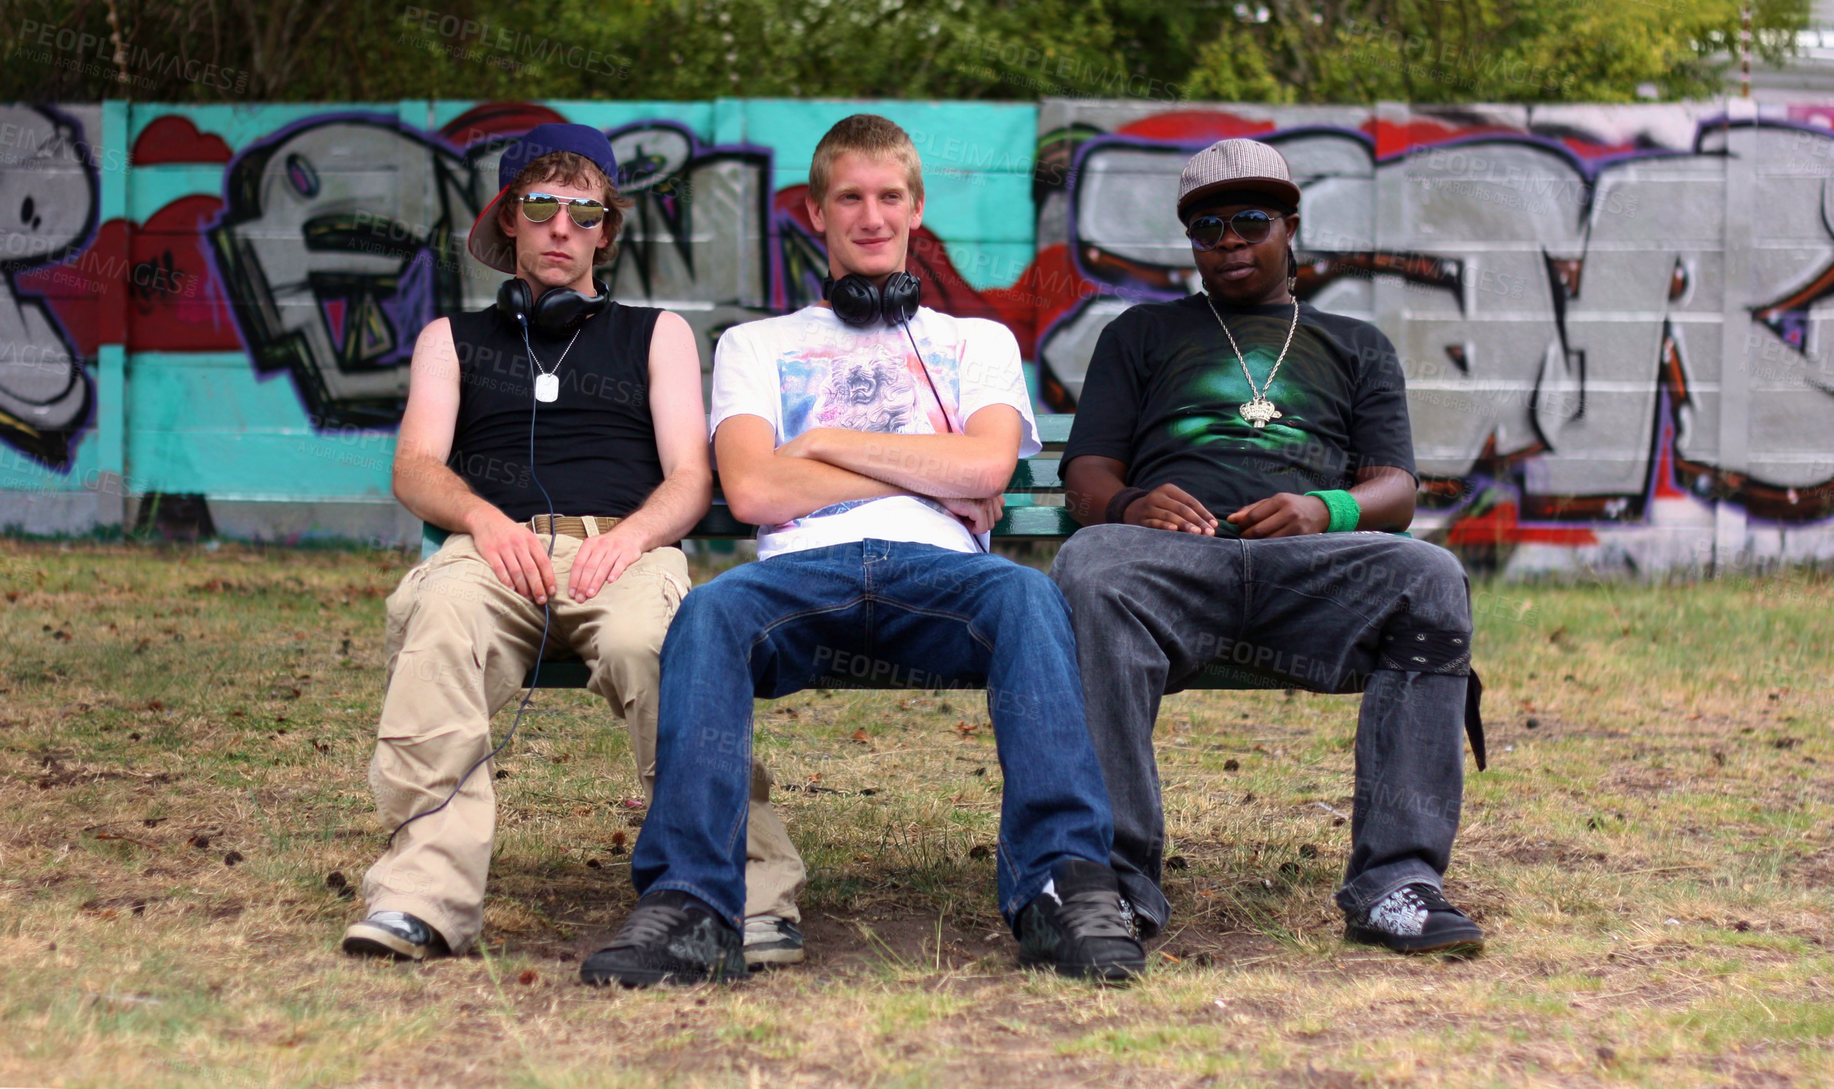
point(1498, 525)
point(1392, 139)
point(1192, 126)
point(177, 303)
point(85, 289)
point(496, 119)
point(173, 138)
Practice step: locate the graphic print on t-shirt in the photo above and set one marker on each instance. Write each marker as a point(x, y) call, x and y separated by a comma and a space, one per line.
point(807, 370)
point(877, 386)
point(1212, 395)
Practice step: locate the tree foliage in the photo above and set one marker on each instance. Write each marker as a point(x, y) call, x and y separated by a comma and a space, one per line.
point(1276, 51)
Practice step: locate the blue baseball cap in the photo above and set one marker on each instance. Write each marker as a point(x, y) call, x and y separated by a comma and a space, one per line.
point(487, 242)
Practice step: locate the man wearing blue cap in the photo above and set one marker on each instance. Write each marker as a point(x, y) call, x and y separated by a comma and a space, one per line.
point(559, 437)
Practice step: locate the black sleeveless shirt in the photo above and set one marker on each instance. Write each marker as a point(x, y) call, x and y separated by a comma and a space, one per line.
point(595, 447)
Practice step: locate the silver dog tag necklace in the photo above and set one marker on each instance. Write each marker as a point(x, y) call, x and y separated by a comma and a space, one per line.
point(547, 383)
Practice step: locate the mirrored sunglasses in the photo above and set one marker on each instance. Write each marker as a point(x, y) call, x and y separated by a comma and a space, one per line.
point(1251, 225)
point(540, 207)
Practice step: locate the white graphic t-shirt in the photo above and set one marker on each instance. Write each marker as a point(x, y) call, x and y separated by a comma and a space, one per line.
point(809, 369)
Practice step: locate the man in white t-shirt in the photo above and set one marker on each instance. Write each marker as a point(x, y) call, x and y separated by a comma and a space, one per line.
point(869, 439)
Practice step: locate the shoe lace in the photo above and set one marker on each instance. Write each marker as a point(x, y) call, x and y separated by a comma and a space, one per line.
point(1094, 913)
point(649, 925)
point(1431, 899)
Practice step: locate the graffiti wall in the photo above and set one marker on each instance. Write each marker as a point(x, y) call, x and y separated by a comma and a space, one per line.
point(1611, 319)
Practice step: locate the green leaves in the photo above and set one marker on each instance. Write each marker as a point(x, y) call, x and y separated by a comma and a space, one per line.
point(1272, 51)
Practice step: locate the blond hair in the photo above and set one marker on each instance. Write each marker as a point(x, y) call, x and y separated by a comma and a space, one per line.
point(869, 135)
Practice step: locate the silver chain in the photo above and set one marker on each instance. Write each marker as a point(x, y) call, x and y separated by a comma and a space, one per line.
point(563, 356)
point(1260, 393)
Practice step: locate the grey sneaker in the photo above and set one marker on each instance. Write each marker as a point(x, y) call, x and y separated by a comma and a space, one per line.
point(394, 934)
point(771, 939)
point(670, 937)
point(1416, 919)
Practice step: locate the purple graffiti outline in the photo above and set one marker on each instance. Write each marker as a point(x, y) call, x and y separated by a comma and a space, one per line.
point(271, 143)
point(86, 420)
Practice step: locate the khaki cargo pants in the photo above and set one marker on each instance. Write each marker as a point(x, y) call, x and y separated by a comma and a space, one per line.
point(458, 644)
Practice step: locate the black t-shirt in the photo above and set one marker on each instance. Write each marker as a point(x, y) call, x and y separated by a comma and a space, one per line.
point(594, 447)
point(1164, 388)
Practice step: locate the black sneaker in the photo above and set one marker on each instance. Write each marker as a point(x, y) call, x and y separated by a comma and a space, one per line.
point(1416, 919)
point(671, 937)
point(1076, 925)
point(1141, 926)
point(771, 939)
point(394, 934)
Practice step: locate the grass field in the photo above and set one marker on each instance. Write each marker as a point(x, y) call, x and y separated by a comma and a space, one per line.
point(184, 737)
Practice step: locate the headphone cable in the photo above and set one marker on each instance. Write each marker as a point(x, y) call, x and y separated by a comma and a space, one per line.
point(547, 617)
point(944, 409)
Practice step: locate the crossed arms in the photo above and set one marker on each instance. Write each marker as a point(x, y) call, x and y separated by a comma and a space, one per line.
point(436, 494)
point(766, 484)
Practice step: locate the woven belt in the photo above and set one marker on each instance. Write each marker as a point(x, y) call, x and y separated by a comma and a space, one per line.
point(569, 526)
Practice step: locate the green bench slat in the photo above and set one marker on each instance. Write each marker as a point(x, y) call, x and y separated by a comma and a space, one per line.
point(1054, 430)
point(1035, 474)
point(1036, 524)
point(560, 673)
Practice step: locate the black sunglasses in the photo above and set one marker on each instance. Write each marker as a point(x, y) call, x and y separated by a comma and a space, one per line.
point(1251, 226)
point(540, 207)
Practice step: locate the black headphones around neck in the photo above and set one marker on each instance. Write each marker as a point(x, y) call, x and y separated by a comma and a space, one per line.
point(860, 302)
point(559, 311)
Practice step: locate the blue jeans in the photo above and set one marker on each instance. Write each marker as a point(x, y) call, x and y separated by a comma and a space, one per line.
point(1332, 612)
point(888, 614)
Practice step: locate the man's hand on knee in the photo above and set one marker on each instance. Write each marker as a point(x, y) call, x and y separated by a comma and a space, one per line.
point(1287, 514)
point(1170, 507)
point(601, 560)
point(518, 556)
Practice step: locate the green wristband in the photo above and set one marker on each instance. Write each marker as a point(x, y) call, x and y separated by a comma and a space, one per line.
point(1345, 512)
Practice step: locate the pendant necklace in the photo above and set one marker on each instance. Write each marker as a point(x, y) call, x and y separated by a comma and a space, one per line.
point(1258, 409)
point(547, 383)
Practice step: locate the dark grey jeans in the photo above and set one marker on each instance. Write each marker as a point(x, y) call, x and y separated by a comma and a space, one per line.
point(1343, 612)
